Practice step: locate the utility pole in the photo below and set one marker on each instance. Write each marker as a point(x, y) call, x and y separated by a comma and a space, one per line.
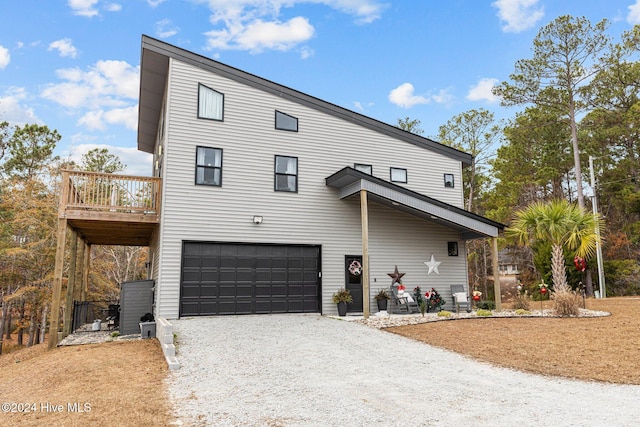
point(594, 203)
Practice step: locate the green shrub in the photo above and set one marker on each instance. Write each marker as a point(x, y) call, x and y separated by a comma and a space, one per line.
point(115, 334)
point(486, 305)
point(483, 313)
point(343, 295)
point(444, 313)
point(522, 312)
point(622, 277)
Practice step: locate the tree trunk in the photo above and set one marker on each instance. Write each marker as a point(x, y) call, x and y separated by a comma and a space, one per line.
point(7, 323)
point(5, 312)
point(20, 323)
point(43, 323)
point(588, 282)
point(32, 328)
point(558, 270)
point(576, 152)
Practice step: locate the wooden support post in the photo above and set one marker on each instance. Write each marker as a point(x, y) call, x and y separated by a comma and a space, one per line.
point(496, 273)
point(54, 322)
point(73, 261)
point(85, 272)
point(364, 216)
point(79, 285)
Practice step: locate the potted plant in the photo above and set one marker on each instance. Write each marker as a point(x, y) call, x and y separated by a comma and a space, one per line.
point(381, 298)
point(342, 297)
point(433, 300)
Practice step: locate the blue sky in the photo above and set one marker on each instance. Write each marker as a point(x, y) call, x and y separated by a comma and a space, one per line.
point(74, 64)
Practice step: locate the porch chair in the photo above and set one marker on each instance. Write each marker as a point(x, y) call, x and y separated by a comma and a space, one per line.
point(460, 298)
point(113, 316)
point(404, 303)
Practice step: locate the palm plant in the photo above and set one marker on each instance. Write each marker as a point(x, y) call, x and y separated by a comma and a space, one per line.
point(564, 225)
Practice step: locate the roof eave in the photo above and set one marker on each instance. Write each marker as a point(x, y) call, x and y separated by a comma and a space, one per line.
point(149, 109)
point(348, 181)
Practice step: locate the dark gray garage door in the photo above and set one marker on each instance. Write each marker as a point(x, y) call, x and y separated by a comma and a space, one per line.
point(235, 278)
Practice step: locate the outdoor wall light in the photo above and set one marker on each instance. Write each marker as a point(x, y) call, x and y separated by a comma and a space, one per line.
point(257, 219)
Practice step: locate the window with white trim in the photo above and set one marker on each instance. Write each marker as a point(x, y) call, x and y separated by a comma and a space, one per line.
point(286, 174)
point(210, 103)
point(209, 166)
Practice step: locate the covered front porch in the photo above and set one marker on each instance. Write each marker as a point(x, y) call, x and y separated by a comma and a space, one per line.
point(97, 209)
point(351, 183)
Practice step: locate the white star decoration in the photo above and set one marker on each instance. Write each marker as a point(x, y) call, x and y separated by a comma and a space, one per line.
point(433, 265)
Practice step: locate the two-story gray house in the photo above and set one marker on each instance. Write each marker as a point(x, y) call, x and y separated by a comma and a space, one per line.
point(269, 195)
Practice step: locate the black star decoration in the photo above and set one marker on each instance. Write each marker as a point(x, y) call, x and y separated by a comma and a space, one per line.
point(396, 276)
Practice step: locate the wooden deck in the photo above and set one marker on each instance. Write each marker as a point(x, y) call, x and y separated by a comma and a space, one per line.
point(107, 209)
point(97, 209)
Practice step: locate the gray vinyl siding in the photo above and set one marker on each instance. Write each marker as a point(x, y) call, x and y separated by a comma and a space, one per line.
point(323, 145)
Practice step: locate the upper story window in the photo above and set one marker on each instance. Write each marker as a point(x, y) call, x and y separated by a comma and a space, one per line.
point(398, 175)
point(368, 169)
point(210, 103)
point(208, 166)
point(448, 180)
point(286, 122)
point(286, 174)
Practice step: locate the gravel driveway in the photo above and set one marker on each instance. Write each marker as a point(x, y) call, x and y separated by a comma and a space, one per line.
point(309, 370)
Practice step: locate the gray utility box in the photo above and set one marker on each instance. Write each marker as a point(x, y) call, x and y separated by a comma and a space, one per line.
point(136, 300)
point(148, 329)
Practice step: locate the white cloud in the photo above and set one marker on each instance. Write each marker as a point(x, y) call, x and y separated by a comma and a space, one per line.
point(108, 91)
point(633, 17)
point(12, 108)
point(65, 47)
point(99, 119)
point(113, 7)
point(443, 96)
point(107, 83)
point(5, 57)
point(83, 7)
point(482, 90)
point(403, 96)
point(366, 11)
point(92, 120)
point(362, 108)
point(255, 25)
point(155, 3)
point(138, 163)
point(275, 35)
point(259, 35)
point(88, 7)
point(518, 15)
point(165, 29)
point(306, 52)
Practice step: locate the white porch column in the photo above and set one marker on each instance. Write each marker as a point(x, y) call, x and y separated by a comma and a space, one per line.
point(496, 273)
point(364, 216)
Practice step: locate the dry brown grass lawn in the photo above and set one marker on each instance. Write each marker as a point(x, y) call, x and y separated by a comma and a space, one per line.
point(602, 348)
point(122, 383)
